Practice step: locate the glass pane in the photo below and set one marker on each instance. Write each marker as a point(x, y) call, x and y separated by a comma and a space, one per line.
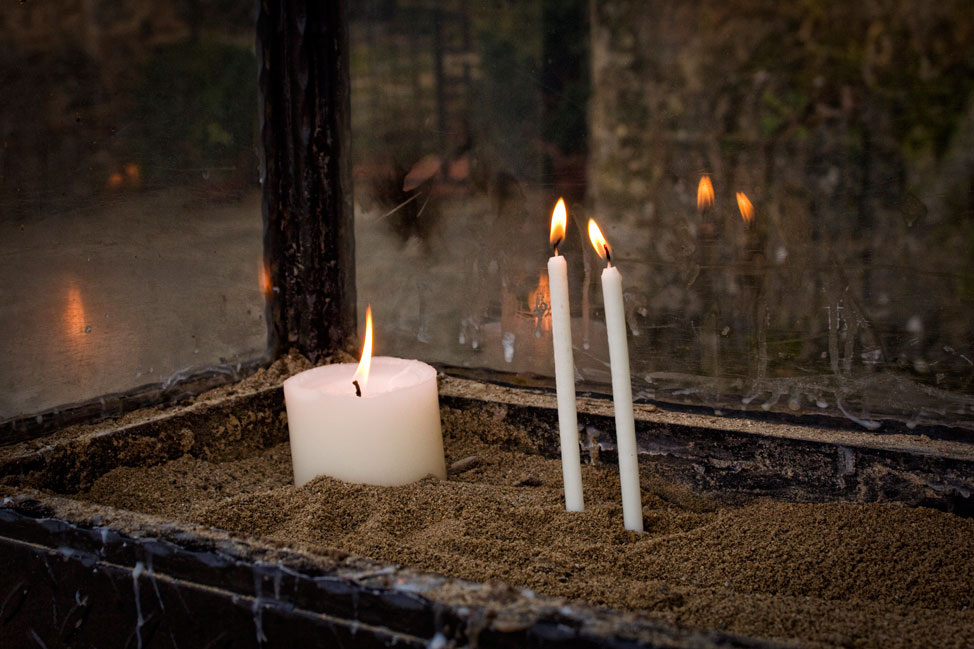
point(130, 223)
point(846, 287)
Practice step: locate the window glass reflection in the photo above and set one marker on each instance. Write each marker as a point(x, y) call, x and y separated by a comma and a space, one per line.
point(787, 189)
point(130, 228)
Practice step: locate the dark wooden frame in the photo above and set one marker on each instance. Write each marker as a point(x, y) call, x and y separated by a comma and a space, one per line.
point(309, 237)
point(115, 578)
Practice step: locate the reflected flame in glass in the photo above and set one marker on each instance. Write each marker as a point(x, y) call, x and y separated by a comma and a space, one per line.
point(115, 180)
point(747, 209)
point(598, 241)
point(362, 372)
point(130, 176)
point(705, 193)
point(540, 301)
point(74, 314)
point(559, 221)
point(264, 278)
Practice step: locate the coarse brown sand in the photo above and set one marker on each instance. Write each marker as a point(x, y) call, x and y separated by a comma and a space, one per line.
point(836, 574)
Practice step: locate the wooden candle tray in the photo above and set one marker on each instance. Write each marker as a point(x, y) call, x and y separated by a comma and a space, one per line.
point(76, 573)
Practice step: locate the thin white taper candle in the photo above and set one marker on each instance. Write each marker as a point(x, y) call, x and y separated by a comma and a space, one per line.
point(615, 325)
point(561, 335)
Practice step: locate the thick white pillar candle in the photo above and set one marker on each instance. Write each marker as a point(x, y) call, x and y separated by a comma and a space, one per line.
point(561, 335)
point(388, 436)
point(615, 324)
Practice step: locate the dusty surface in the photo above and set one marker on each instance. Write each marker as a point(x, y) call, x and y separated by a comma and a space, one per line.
point(826, 575)
point(143, 289)
point(914, 443)
point(75, 438)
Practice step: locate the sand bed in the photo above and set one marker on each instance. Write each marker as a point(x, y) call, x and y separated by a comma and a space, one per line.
point(822, 574)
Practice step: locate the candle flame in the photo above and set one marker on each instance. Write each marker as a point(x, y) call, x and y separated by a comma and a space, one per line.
point(598, 241)
point(747, 209)
point(705, 193)
point(559, 221)
point(362, 372)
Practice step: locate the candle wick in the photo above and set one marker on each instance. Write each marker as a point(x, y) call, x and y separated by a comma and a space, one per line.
point(608, 255)
point(358, 389)
point(555, 246)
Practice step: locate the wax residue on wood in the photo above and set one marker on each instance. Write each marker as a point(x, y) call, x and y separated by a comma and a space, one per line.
point(821, 574)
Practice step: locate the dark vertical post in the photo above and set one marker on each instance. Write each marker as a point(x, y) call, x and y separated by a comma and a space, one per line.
point(309, 243)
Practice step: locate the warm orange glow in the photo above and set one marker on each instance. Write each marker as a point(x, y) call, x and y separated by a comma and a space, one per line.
point(74, 315)
point(559, 221)
point(427, 167)
point(705, 193)
point(362, 373)
point(264, 278)
point(115, 180)
point(598, 241)
point(540, 302)
point(132, 172)
point(747, 209)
